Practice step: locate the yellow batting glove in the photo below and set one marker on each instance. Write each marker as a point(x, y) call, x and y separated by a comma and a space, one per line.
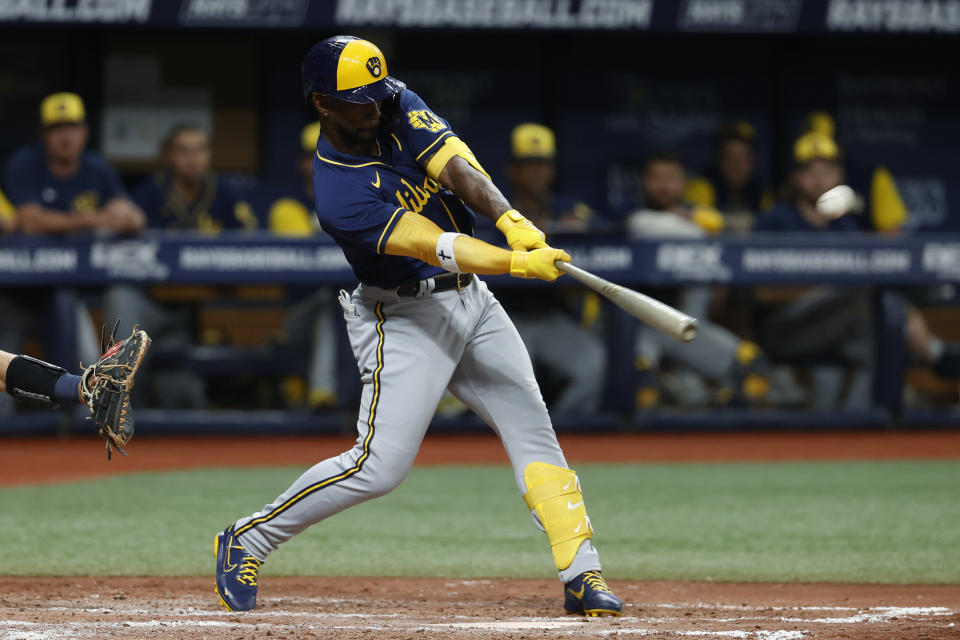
point(522, 235)
point(538, 263)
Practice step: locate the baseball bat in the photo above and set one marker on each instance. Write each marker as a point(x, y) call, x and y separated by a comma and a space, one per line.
point(658, 315)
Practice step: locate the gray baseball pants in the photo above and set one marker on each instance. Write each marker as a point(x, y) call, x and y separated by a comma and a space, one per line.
point(409, 350)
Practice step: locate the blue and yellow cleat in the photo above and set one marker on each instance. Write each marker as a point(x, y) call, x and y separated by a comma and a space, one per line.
point(236, 572)
point(589, 595)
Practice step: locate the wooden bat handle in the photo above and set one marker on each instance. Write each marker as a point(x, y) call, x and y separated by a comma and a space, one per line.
point(665, 318)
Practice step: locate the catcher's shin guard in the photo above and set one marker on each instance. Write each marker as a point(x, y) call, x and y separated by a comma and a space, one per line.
point(554, 496)
point(32, 381)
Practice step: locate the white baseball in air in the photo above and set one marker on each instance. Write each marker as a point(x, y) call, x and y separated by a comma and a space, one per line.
point(836, 202)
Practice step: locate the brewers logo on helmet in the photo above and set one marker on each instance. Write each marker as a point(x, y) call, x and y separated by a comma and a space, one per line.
point(349, 69)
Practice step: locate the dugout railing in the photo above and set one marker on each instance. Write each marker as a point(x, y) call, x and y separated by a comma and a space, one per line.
point(886, 265)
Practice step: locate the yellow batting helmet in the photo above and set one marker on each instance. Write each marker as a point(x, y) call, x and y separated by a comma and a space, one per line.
point(349, 69)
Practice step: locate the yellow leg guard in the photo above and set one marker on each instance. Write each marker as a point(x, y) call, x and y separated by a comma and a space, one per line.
point(554, 494)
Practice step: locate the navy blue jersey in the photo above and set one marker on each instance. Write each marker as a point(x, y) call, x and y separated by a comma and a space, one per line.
point(359, 199)
point(219, 205)
point(785, 216)
point(28, 180)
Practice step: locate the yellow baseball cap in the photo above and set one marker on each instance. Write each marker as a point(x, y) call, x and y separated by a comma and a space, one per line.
point(58, 108)
point(309, 137)
point(815, 146)
point(822, 122)
point(531, 141)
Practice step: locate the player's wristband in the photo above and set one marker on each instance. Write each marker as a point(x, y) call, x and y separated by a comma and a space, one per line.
point(518, 264)
point(445, 253)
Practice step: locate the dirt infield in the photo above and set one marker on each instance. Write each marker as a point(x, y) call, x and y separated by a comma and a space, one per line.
point(359, 608)
point(48, 460)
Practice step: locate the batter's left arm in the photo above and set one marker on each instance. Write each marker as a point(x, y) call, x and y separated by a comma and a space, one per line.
point(456, 168)
point(475, 189)
point(418, 237)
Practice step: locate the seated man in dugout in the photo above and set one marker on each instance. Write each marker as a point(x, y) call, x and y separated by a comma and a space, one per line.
point(60, 186)
point(832, 323)
point(731, 184)
point(55, 188)
point(718, 367)
point(546, 318)
point(883, 209)
point(185, 193)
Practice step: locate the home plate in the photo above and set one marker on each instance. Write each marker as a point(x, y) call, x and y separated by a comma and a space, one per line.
point(516, 625)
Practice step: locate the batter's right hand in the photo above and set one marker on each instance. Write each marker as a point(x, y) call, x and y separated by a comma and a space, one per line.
point(538, 263)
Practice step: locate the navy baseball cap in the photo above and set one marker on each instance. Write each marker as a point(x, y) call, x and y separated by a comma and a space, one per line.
point(349, 69)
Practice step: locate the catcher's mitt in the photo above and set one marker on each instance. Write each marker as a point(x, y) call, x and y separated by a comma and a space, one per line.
point(106, 385)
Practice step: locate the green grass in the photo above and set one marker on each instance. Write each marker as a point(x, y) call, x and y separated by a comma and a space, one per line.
point(896, 522)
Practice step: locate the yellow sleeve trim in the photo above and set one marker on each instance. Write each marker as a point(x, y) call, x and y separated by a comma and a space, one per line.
point(887, 208)
point(454, 146)
point(441, 137)
point(387, 226)
point(440, 160)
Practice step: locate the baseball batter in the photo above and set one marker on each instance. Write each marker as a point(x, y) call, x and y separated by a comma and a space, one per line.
point(398, 189)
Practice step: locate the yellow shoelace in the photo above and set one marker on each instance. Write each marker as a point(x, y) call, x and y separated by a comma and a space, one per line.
point(249, 567)
point(594, 580)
